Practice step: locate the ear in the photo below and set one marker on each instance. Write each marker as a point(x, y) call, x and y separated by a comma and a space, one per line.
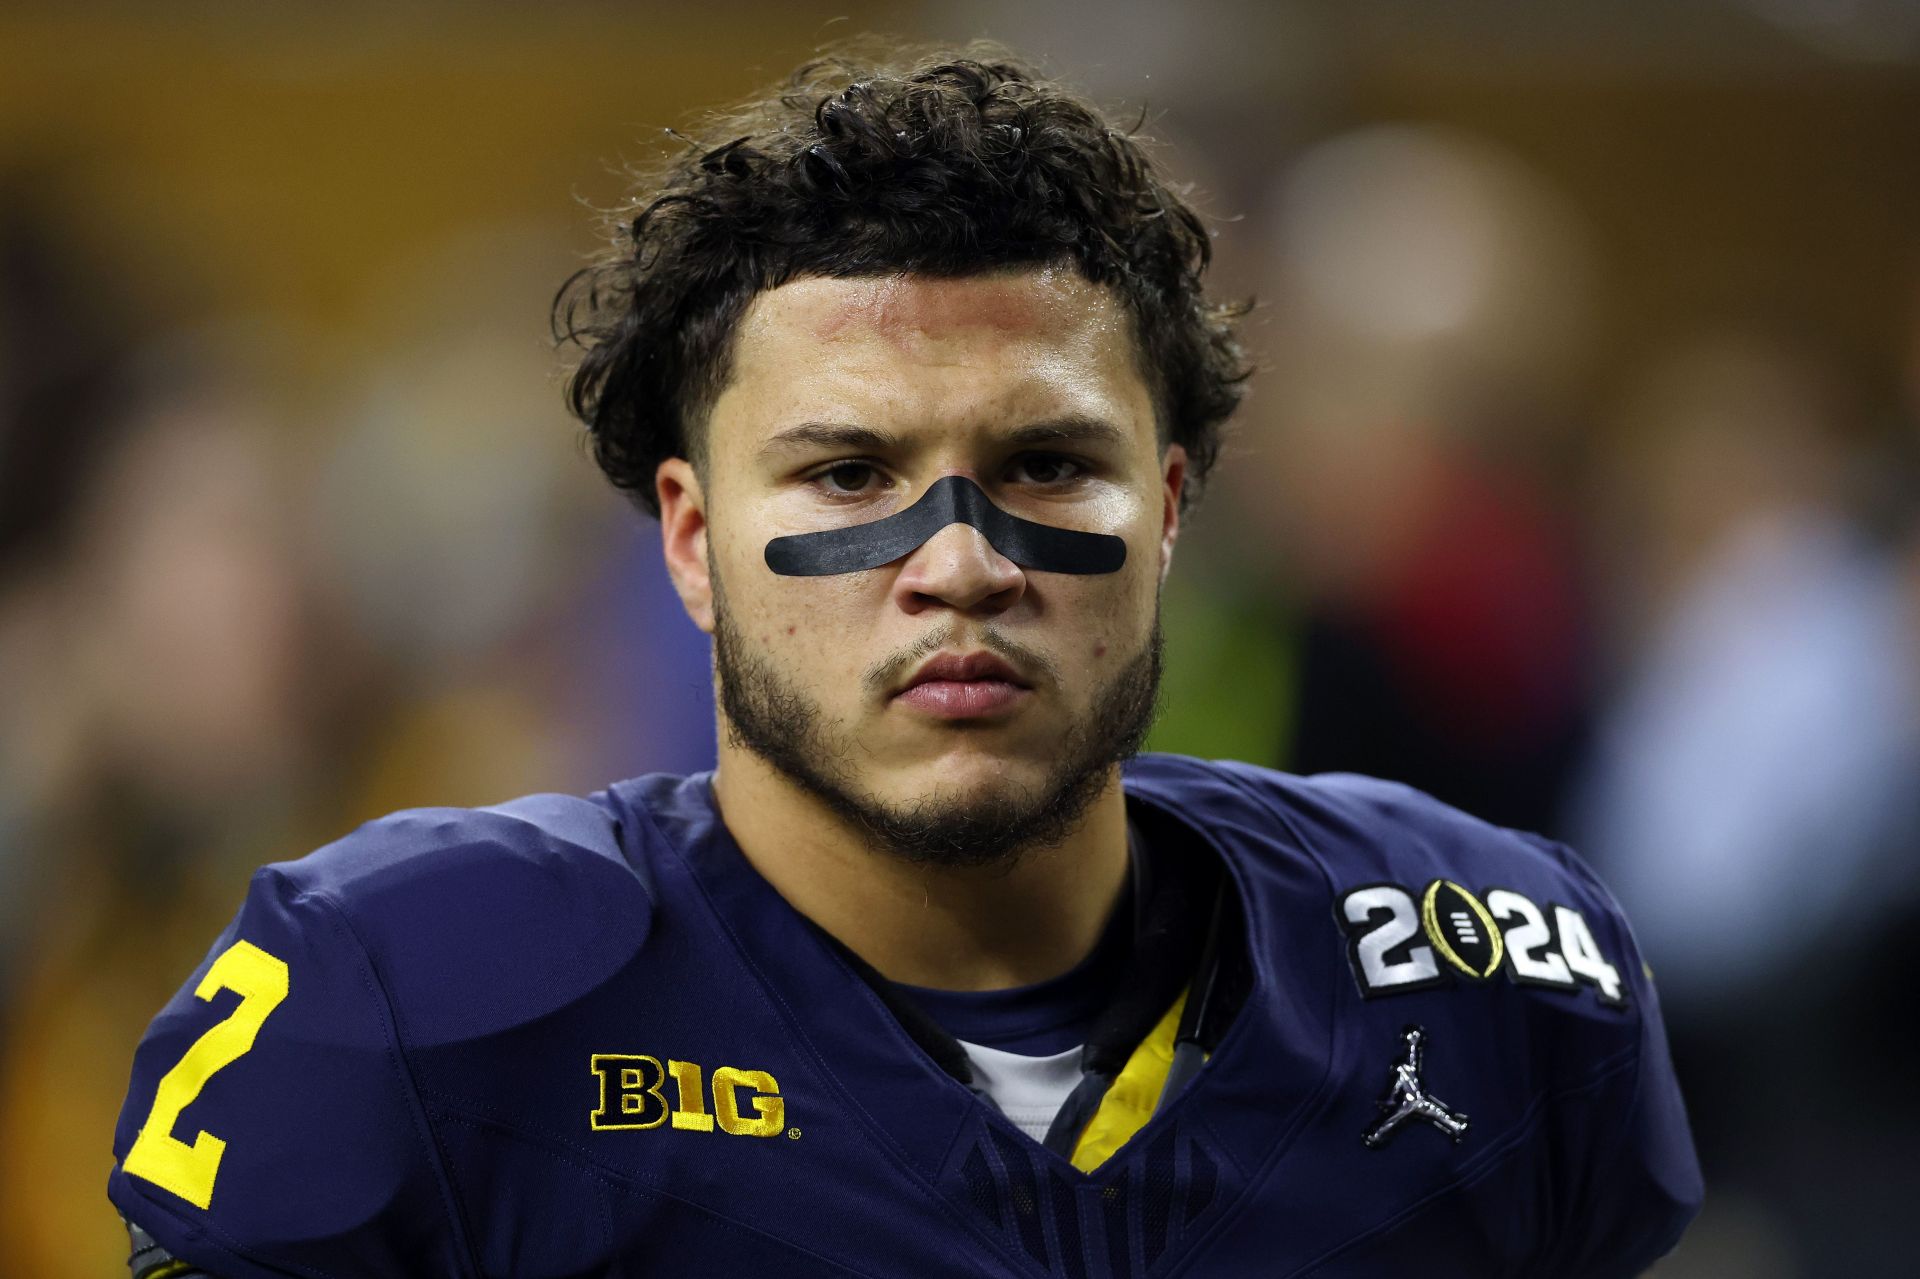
point(683, 537)
point(1173, 478)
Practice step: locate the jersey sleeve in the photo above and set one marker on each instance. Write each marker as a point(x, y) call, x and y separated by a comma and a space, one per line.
point(1627, 1180)
point(270, 1128)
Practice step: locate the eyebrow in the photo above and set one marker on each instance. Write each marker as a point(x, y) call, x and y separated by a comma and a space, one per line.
point(1073, 428)
point(830, 435)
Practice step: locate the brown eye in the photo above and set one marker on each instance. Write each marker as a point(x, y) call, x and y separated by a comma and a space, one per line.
point(848, 477)
point(1045, 468)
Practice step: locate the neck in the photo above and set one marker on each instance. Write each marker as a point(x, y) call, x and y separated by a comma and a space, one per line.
point(974, 928)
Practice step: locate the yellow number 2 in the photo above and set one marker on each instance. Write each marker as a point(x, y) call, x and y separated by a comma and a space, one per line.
point(157, 1155)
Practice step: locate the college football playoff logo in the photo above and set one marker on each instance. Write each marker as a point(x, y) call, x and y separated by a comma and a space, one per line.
point(1461, 930)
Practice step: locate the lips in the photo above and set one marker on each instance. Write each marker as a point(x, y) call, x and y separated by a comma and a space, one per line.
point(965, 668)
point(964, 686)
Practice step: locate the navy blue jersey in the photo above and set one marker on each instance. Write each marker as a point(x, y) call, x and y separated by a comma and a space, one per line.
point(567, 1037)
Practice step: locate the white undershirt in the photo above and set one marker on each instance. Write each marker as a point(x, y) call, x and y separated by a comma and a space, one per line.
point(1028, 1090)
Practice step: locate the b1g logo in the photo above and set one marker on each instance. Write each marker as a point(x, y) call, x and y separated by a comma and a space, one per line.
point(633, 1095)
point(1398, 942)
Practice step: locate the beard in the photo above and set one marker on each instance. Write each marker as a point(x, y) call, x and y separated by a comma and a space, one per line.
point(771, 716)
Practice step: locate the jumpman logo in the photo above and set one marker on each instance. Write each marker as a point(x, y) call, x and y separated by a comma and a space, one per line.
point(1407, 1098)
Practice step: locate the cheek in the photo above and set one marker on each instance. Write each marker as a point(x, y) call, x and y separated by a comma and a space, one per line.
point(1115, 610)
point(1142, 569)
point(1113, 618)
point(814, 626)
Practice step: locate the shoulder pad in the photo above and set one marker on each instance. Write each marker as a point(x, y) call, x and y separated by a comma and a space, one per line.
point(482, 918)
point(1425, 893)
point(269, 1120)
point(1364, 828)
point(1490, 900)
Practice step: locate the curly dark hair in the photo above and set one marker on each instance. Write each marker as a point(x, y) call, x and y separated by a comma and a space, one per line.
point(942, 163)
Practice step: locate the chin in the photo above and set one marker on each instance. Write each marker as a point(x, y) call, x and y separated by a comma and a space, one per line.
point(965, 769)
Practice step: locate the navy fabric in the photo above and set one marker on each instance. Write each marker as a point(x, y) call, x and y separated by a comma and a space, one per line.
point(1046, 1017)
point(491, 1013)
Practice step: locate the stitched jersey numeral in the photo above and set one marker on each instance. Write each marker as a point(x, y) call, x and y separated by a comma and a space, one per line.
point(1583, 955)
point(1380, 919)
point(1530, 953)
point(1391, 946)
point(188, 1169)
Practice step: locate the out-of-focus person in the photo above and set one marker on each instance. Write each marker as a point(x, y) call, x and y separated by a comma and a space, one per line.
point(1755, 784)
point(1432, 295)
point(173, 681)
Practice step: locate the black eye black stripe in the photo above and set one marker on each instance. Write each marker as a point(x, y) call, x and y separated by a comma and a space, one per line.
point(953, 499)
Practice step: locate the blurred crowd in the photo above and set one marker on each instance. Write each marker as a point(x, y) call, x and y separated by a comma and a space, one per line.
point(1668, 612)
point(238, 615)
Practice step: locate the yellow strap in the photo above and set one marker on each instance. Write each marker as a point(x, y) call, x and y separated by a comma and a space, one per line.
point(1128, 1105)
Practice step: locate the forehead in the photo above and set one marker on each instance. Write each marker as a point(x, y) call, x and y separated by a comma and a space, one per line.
point(1044, 303)
point(1040, 340)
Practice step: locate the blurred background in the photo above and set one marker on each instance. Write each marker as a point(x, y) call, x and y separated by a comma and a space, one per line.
point(1579, 488)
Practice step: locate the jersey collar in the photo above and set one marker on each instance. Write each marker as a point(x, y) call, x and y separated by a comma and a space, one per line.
point(895, 1070)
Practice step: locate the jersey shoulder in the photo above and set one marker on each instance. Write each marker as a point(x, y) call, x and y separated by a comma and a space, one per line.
point(479, 918)
point(1361, 829)
point(274, 1120)
point(1426, 895)
point(436, 848)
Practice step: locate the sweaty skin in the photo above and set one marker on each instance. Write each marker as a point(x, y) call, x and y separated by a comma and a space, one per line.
point(848, 400)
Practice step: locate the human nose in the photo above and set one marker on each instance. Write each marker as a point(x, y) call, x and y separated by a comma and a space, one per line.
point(959, 568)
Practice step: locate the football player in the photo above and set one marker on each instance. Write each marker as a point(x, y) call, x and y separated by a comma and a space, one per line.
point(932, 975)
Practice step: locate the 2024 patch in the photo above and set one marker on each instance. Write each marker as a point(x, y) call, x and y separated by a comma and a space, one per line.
point(1399, 941)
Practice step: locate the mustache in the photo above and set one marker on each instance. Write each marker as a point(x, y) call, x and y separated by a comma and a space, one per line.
point(886, 674)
